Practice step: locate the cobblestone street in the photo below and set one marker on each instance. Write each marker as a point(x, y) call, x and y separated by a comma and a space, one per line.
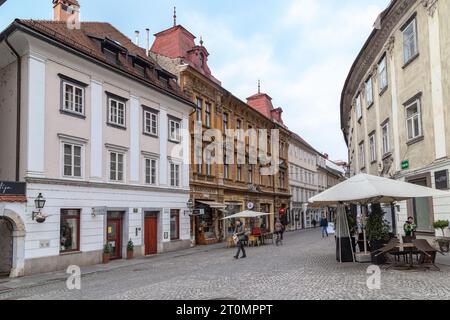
point(304, 268)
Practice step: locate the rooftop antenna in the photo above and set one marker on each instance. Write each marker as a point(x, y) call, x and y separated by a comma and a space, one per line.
point(174, 16)
point(259, 86)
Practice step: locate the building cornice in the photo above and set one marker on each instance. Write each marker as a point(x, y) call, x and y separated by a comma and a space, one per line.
point(103, 185)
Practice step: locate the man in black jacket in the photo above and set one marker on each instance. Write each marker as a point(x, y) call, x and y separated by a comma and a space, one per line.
point(324, 226)
point(240, 233)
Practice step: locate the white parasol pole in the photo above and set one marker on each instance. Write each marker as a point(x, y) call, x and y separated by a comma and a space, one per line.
point(364, 229)
point(340, 233)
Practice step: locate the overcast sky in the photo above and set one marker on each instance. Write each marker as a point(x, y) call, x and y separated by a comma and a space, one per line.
point(301, 50)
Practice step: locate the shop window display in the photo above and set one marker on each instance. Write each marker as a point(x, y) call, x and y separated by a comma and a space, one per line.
point(70, 231)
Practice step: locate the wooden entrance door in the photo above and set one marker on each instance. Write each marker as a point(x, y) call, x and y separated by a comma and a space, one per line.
point(151, 234)
point(114, 237)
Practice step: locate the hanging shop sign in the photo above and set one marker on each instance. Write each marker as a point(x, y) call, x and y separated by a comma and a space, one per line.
point(12, 188)
point(405, 165)
point(99, 211)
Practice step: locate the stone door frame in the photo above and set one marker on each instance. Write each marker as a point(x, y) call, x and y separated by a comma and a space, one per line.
point(18, 234)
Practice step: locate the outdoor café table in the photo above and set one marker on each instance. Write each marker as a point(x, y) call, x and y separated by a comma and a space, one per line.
point(408, 247)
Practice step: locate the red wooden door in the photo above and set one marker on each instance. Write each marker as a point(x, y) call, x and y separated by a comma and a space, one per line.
point(114, 231)
point(151, 235)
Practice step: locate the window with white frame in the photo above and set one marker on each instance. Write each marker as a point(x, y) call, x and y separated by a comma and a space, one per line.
point(413, 120)
point(385, 137)
point(382, 74)
point(358, 107)
point(362, 155)
point(174, 130)
point(373, 148)
point(150, 122)
point(73, 98)
point(151, 169)
point(116, 112)
point(174, 175)
point(116, 166)
point(72, 166)
point(410, 49)
point(369, 92)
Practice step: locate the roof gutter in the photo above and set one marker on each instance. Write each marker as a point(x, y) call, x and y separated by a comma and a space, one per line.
point(19, 103)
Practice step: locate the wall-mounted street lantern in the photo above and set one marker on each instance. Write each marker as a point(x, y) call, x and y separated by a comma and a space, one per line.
point(39, 203)
point(190, 206)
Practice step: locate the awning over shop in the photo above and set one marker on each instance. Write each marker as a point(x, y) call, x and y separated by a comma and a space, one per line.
point(213, 205)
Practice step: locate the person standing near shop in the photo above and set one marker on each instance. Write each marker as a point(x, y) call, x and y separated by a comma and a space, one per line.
point(410, 229)
point(279, 232)
point(239, 234)
point(324, 226)
point(314, 223)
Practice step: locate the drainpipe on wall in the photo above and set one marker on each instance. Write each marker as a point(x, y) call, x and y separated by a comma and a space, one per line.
point(19, 102)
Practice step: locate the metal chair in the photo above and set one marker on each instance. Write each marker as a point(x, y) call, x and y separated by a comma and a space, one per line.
point(427, 253)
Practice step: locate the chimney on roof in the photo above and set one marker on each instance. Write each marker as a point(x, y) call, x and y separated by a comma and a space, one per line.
point(147, 48)
point(137, 37)
point(66, 11)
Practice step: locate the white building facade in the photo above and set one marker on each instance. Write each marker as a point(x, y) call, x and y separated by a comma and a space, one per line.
point(104, 146)
point(303, 181)
point(395, 106)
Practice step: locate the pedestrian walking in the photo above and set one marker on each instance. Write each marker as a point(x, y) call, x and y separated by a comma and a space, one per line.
point(314, 223)
point(279, 232)
point(324, 226)
point(239, 235)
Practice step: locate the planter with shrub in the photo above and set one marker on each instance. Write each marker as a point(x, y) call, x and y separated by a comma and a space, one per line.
point(377, 232)
point(130, 250)
point(106, 253)
point(443, 242)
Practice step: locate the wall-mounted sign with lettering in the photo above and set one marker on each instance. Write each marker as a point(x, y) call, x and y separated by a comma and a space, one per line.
point(12, 188)
point(99, 211)
point(441, 179)
point(198, 212)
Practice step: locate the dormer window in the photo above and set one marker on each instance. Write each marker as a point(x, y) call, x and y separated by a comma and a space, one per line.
point(140, 69)
point(111, 56)
point(111, 49)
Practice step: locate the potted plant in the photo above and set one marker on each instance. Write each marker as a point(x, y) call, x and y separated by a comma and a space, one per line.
point(40, 217)
point(130, 250)
point(106, 253)
point(443, 242)
point(377, 230)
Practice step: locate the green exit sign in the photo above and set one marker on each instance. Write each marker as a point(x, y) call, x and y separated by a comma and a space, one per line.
point(405, 165)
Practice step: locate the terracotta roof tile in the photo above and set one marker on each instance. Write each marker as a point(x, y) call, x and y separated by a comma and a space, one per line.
point(83, 40)
point(13, 199)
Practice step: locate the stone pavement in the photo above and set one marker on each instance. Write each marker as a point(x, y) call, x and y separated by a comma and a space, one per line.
point(304, 268)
